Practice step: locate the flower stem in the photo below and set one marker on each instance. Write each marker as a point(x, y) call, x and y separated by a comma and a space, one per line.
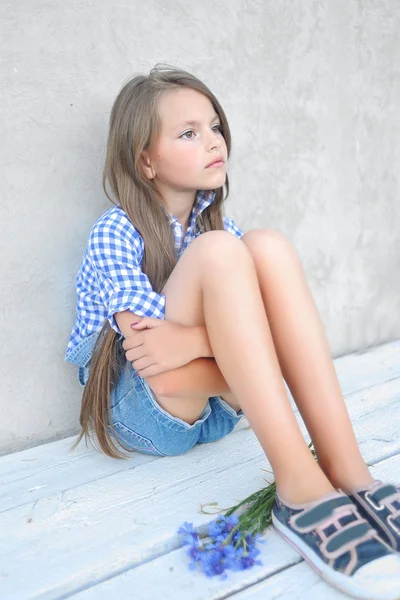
point(256, 516)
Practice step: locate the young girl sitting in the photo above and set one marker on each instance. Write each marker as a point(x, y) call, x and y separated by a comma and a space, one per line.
point(184, 324)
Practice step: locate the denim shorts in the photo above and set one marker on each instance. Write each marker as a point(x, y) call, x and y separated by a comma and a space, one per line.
point(141, 424)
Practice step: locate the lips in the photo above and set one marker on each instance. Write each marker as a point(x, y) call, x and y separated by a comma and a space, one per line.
point(216, 160)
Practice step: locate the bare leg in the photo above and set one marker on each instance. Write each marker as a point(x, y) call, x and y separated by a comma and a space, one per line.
point(305, 358)
point(215, 280)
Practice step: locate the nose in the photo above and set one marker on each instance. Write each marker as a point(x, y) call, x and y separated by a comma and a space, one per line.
point(214, 141)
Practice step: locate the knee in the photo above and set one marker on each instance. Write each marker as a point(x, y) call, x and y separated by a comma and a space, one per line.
point(220, 248)
point(268, 243)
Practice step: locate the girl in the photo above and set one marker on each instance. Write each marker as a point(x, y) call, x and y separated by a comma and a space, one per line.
point(184, 324)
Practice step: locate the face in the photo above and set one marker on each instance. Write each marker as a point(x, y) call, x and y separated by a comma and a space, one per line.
point(183, 150)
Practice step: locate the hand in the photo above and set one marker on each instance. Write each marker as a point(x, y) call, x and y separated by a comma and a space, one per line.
point(158, 346)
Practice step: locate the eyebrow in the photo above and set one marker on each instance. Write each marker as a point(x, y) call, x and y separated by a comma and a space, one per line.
point(196, 122)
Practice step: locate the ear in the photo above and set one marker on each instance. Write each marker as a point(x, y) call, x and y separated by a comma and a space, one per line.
point(146, 164)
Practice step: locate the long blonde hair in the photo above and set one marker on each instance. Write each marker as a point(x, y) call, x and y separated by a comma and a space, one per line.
point(134, 127)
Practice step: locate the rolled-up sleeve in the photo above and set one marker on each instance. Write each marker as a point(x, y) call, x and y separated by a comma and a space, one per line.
point(114, 251)
point(230, 225)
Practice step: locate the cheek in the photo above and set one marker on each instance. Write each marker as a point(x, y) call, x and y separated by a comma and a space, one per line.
point(188, 156)
point(179, 159)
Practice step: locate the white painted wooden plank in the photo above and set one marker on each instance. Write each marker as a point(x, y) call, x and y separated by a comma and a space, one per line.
point(101, 528)
point(36, 472)
point(49, 469)
point(360, 370)
point(298, 583)
point(174, 581)
point(63, 541)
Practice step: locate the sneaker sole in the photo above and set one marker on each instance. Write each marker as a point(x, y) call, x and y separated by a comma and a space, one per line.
point(336, 579)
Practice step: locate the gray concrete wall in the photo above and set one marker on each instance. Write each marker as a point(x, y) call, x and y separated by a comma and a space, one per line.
point(312, 93)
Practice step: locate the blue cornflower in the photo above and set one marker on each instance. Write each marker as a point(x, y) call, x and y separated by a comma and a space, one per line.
point(214, 529)
point(213, 563)
point(211, 545)
point(231, 522)
point(243, 559)
point(228, 523)
point(229, 551)
point(249, 560)
point(220, 552)
point(220, 528)
point(194, 552)
point(190, 534)
point(186, 528)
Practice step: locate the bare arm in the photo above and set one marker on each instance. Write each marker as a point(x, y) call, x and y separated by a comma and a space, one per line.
point(199, 377)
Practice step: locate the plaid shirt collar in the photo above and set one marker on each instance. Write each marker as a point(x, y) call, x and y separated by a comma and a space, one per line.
point(203, 199)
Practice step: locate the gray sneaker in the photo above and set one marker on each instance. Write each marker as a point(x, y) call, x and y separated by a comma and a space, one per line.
point(379, 504)
point(341, 546)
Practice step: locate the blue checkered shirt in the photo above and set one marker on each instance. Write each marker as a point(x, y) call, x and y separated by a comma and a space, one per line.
point(110, 279)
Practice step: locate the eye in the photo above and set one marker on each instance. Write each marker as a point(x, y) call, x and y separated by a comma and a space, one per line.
point(186, 132)
point(219, 128)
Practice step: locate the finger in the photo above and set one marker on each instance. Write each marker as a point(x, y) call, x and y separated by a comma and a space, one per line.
point(133, 341)
point(151, 370)
point(142, 363)
point(135, 354)
point(147, 323)
point(138, 325)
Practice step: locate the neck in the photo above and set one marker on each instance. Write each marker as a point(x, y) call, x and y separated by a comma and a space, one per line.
point(180, 204)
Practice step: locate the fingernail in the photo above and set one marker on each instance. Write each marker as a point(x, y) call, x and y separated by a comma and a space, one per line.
point(133, 324)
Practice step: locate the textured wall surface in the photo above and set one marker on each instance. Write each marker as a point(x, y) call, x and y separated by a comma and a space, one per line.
point(310, 89)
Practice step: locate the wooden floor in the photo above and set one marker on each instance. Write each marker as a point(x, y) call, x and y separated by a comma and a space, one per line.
point(86, 526)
